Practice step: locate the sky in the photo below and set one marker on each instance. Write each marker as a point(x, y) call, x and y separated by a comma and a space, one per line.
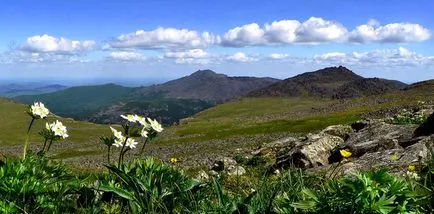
point(88, 40)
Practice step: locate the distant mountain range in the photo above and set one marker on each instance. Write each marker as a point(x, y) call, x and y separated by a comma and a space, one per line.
point(14, 89)
point(331, 82)
point(183, 97)
point(208, 85)
point(169, 102)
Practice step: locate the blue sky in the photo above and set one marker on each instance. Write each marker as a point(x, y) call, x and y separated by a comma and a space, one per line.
point(88, 40)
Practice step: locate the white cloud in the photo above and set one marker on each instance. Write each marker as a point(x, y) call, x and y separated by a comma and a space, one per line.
point(250, 34)
point(241, 57)
point(314, 30)
point(278, 56)
point(14, 56)
point(127, 56)
point(390, 33)
point(164, 38)
point(317, 30)
point(49, 44)
point(378, 58)
point(194, 56)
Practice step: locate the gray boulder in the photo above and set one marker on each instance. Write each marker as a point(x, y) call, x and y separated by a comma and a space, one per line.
point(312, 152)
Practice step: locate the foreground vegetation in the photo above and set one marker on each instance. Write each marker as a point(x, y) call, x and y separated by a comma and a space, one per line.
point(35, 184)
point(38, 185)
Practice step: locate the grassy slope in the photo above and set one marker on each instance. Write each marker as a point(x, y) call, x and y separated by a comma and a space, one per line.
point(239, 118)
point(14, 122)
point(258, 116)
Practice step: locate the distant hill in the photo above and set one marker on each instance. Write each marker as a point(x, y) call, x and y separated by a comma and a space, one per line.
point(208, 85)
point(80, 102)
point(331, 82)
point(169, 102)
point(12, 90)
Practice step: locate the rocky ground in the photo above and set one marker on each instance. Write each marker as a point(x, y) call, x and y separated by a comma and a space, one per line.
point(372, 143)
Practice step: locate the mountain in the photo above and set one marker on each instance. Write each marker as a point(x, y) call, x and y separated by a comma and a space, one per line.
point(12, 90)
point(330, 82)
point(208, 85)
point(80, 102)
point(367, 86)
point(169, 102)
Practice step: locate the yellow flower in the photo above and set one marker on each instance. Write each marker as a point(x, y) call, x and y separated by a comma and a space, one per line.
point(411, 168)
point(345, 153)
point(394, 157)
point(173, 160)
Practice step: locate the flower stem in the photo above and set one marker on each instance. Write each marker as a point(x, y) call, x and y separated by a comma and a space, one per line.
point(108, 154)
point(49, 145)
point(143, 147)
point(122, 151)
point(26, 142)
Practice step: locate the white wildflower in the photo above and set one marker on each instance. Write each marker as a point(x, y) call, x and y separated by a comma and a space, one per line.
point(144, 132)
point(131, 143)
point(58, 128)
point(117, 134)
point(130, 118)
point(155, 125)
point(119, 142)
point(38, 110)
point(412, 175)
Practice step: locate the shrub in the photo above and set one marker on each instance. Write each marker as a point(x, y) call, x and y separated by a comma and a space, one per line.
point(368, 192)
point(149, 186)
point(35, 185)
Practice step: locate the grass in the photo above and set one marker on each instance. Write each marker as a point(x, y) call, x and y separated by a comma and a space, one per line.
point(241, 119)
point(14, 123)
point(260, 116)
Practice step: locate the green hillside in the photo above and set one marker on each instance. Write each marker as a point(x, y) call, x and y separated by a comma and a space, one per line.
point(104, 104)
point(15, 122)
point(242, 123)
point(80, 102)
point(261, 116)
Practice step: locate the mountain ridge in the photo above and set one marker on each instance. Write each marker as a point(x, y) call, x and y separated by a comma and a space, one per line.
point(330, 82)
point(209, 85)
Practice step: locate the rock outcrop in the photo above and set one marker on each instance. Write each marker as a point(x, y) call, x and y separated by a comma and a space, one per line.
point(372, 143)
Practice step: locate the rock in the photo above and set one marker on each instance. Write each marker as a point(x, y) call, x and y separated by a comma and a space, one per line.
point(375, 137)
point(314, 151)
point(202, 176)
point(228, 166)
point(214, 173)
point(357, 126)
point(272, 148)
point(218, 166)
point(236, 170)
point(342, 131)
point(228, 162)
point(426, 128)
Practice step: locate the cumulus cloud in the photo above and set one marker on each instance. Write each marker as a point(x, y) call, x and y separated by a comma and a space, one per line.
point(380, 58)
point(317, 30)
point(164, 38)
point(49, 44)
point(278, 56)
point(390, 33)
point(28, 57)
point(127, 56)
point(250, 34)
point(314, 30)
point(241, 57)
point(194, 56)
